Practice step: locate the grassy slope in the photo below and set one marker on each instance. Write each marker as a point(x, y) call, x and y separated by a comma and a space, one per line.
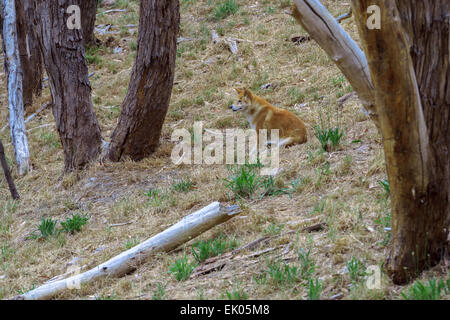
point(340, 188)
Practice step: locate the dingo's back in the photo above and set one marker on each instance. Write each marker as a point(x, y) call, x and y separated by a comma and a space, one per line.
point(262, 115)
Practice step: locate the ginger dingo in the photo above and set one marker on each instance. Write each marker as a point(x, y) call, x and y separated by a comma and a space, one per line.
point(262, 115)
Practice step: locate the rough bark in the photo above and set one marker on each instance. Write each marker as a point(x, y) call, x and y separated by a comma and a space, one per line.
point(185, 230)
point(339, 47)
point(145, 106)
point(88, 15)
point(63, 55)
point(409, 63)
point(8, 177)
point(30, 57)
point(14, 74)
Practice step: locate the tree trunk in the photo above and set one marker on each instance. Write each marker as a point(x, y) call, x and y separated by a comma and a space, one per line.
point(185, 230)
point(15, 90)
point(8, 177)
point(409, 63)
point(145, 106)
point(339, 47)
point(409, 71)
point(88, 15)
point(63, 54)
point(30, 57)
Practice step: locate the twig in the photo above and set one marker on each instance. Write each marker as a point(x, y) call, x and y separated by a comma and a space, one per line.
point(182, 39)
point(217, 263)
point(44, 106)
point(344, 98)
point(185, 230)
point(230, 42)
point(214, 36)
point(41, 126)
point(315, 227)
point(65, 275)
point(252, 245)
point(344, 16)
point(46, 79)
point(111, 11)
point(120, 224)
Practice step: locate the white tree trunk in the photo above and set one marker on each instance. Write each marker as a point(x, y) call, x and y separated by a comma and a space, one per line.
point(15, 90)
point(183, 231)
point(340, 48)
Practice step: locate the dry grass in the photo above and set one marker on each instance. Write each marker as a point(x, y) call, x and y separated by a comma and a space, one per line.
point(340, 188)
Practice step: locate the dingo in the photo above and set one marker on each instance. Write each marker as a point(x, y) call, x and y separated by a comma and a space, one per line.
point(262, 115)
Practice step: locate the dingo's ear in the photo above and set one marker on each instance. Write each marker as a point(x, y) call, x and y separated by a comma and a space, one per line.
point(239, 91)
point(248, 93)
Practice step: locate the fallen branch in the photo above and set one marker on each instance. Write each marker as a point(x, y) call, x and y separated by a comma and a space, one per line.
point(256, 243)
point(182, 39)
point(44, 106)
point(45, 125)
point(120, 224)
point(315, 227)
point(14, 76)
point(300, 39)
point(214, 36)
point(103, 29)
point(46, 79)
point(183, 231)
point(231, 43)
point(219, 262)
point(344, 98)
point(337, 296)
point(111, 11)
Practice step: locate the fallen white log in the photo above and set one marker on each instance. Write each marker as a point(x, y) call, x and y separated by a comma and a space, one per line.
point(15, 89)
point(45, 80)
point(188, 228)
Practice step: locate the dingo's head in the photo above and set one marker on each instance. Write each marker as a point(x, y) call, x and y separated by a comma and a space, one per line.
point(245, 99)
